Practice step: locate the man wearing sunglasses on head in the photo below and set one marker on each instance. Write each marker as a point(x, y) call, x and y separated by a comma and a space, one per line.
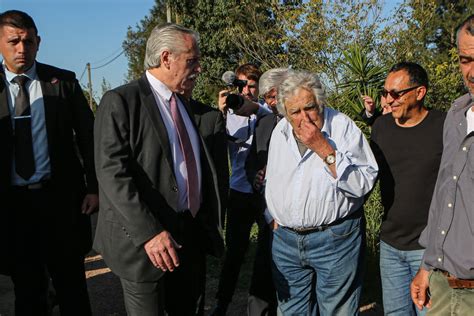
point(407, 145)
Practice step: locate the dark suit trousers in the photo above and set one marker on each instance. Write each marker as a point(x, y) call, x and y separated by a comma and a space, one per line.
point(41, 239)
point(181, 292)
point(244, 209)
point(262, 294)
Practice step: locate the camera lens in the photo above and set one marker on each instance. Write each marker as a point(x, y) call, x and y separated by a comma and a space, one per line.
point(234, 101)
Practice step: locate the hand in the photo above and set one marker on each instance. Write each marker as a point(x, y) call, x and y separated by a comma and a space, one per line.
point(161, 250)
point(259, 178)
point(369, 104)
point(309, 132)
point(419, 288)
point(221, 102)
point(273, 225)
point(248, 108)
point(90, 204)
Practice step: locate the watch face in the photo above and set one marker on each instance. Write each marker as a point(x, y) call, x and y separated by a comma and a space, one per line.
point(330, 159)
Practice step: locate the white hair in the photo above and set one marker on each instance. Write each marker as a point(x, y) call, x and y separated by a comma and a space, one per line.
point(165, 37)
point(271, 79)
point(301, 80)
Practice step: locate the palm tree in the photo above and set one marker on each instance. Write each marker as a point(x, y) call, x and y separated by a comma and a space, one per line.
point(364, 77)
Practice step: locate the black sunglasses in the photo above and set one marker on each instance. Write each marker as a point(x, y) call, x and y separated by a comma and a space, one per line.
point(397, 94)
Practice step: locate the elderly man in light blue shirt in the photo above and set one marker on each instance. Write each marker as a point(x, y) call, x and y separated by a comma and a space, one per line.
point(320, 167)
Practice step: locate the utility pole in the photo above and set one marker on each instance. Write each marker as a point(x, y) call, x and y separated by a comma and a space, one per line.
point(88, 65)
point(168, 11)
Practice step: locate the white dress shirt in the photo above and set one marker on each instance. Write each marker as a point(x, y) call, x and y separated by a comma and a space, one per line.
point(241, 129)
point(162, 97)
point(301, 191)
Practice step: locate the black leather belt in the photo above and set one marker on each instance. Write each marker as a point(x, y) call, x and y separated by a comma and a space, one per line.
point(307, 230)
point(314, 229)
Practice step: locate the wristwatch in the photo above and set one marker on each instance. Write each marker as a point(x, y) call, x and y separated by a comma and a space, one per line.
point(330, 159)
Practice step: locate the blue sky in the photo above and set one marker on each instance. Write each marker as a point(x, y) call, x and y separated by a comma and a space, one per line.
point(74, 32)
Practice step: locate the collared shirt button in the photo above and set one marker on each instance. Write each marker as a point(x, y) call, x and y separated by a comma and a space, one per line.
point(439, 259)
point(455, 178)
point(450, 205)
point(464, 148)
point(443, 232)
point(174, 188)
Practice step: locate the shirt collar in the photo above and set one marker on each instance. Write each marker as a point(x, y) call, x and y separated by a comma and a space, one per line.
point(159, 87)
point(30, 73)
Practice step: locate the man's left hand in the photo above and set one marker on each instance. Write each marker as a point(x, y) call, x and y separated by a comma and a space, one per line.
point(90, 204)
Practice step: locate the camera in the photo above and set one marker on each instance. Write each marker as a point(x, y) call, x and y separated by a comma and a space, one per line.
point(234, 101)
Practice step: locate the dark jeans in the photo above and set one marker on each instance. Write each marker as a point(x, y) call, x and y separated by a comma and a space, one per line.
point(180, 292)
point(244, 209)
point(42, 238)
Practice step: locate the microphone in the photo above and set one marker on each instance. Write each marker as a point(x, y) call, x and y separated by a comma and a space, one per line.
point(231, 80)
point(228, 77)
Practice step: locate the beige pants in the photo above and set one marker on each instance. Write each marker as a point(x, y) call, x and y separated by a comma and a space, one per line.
point(446, 301)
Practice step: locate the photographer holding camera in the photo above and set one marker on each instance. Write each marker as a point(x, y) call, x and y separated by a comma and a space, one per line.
point(244, 208)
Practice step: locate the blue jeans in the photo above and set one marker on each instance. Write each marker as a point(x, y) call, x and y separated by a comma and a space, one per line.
point(397, 269)
point(319, 273)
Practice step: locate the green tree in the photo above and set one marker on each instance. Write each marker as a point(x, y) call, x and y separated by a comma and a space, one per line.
point(363, 77)
point(135, 41)
point(105, 86)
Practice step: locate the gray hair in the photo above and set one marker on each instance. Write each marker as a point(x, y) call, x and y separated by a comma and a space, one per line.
point(271, 79)
point(165, 37)
point(467, 25)
point(301, 80)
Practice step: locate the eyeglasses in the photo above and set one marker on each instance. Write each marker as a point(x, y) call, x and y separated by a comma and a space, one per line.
point(397, 94)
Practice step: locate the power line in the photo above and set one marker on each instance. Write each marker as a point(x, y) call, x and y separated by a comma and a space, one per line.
point(110, 60)
point(83, 72)
point(109, 56)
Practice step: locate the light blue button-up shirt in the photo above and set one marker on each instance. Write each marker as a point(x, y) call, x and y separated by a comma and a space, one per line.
point(301, 191)
point(38, 125)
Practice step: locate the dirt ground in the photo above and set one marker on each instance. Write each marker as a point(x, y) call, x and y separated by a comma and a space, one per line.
point(107, 300)
point(106, 295)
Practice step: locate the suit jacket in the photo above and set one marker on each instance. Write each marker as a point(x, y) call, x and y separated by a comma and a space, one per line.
point(137, 185)
point(211, 124)
point(69, 127)
point(258, 155)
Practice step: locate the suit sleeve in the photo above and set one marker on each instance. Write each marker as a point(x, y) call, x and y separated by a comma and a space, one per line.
point(83, 120)
point(221, 162)
point(113, 162)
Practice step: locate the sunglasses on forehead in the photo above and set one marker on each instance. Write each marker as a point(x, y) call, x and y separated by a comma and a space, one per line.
point(397, 94)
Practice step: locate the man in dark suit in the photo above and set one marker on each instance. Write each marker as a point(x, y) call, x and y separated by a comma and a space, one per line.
point(160, 205)
point(46, 192)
